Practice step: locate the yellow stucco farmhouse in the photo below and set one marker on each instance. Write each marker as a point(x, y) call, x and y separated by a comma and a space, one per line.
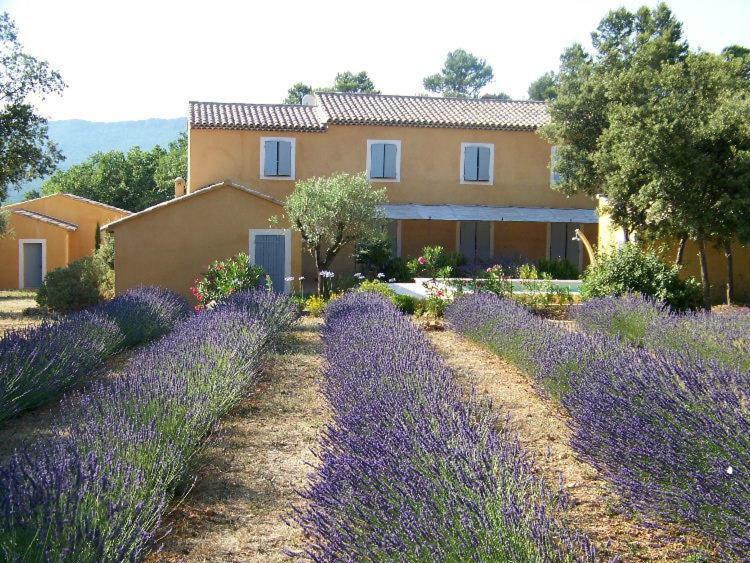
point(470, 175)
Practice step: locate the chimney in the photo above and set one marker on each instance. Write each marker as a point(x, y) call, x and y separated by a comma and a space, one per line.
point(179, 187)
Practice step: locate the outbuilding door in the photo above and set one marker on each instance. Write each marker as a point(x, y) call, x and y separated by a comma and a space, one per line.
point(31, 264)
point(269, 249)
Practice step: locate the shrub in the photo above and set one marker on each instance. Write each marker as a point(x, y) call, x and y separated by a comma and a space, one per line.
point(560, 269)
point(670, 431)
point(225, 277)
point(632, 270)
point(406, 303)
point(376, 257)
point(80, 284)
point(435, 263)
point(315, 306)
point(98, 491)
point(145, 313)
point(411, 469)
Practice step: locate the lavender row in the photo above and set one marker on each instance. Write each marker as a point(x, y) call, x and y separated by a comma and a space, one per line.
point(723, 337)
point(670, 431)
point(37, 364)
point(98, 490)
point(410, 470)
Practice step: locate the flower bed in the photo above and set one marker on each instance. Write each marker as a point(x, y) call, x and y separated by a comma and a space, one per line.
point(670, 432)
point(97, 492)
point(37, 364)
point(724, 338)
point(409, 470)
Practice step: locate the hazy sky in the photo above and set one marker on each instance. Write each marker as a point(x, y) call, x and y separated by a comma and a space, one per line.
point(146, 58)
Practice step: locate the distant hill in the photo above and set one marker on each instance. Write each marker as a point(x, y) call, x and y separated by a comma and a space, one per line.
point(78, 139)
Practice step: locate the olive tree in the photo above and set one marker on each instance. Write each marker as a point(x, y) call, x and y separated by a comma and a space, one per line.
point(331, 212)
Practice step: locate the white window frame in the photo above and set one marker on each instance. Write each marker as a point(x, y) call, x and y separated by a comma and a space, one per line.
point(368, 157)
point(491, 181)
point(287, 250)
point(21, 280)
point(293, 142)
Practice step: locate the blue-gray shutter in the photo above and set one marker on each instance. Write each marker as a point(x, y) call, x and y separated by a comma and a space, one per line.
point(393, 236)
point(557, 242)
point(389, 161)
point(32, 264)
point(270, 164)
point(470, 163)
point(270, 255)
point(377, 160)
point(285, 158)
point(467, 240)
point(483, 166)
point(483, 241)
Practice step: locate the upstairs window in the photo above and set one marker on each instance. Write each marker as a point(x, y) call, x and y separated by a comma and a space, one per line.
point(477, 163)
point(277, 158)
point(384, 160)
point(554, 176)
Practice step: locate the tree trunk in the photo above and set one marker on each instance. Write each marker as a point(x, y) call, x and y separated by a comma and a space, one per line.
point(680, 251)
point(704, 273)
point(730, 271)
point(626, 234)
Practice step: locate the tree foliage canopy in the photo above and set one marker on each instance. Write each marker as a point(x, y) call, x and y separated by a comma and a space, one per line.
point(463, 75)
point(25, 149)
point(344, 82)
point(130, 180)
point(333, 211)
point(544, 88)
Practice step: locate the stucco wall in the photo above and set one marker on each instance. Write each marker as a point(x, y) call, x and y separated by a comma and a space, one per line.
point(415, 235)
point(528, 240)
point(430, 162)
point(25, 228)
point(171, 247)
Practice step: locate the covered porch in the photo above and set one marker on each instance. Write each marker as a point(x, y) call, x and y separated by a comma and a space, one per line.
point(486, 235)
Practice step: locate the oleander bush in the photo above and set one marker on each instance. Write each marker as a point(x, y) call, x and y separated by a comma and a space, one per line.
point(225, 277)
point(669, 429)
point(39, 363)
point(724, 337)
point(98, 491)
point(409, 469)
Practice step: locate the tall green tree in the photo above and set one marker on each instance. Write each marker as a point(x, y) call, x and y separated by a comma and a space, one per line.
point(463, 75)
point(657, 130)
point(502, 96)
point(544, 88)
point(332, 212)
point(26, 152)
point(297, 92)
point(131, 180)
point(350, 82)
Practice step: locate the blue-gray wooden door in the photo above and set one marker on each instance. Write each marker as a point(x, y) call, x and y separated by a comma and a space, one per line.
point(270, 254)
point(32, 264)
point(474, 241)
point(562, 245)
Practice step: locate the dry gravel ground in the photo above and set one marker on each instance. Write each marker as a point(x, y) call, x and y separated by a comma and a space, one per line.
point(543, 431)
point(13, 303)
point(251, 469)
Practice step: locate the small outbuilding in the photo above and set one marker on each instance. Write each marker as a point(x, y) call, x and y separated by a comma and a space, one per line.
point(47, 233)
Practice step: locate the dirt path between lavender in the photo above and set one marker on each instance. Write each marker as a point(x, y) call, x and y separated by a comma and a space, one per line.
point(248, 475)
point(543, 431)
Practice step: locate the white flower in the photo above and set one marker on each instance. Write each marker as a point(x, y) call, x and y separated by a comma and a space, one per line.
point(392, 280)
point(326, 274)
point(289, 278)
point(730, 470)
point(359, 276)
point(381, 275)
point(301, 278)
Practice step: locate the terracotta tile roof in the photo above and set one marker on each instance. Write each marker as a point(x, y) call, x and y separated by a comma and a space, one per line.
point(372, 109)
point(423, 111)
point(261, 117)
point(46, 219)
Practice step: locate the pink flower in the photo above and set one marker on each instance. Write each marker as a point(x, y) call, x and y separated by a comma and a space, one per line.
point(439, 293)
point(421, 260)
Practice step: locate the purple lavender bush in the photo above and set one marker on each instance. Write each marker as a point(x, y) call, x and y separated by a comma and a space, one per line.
point(37, 364)
point(98, 490)
point(671, 431)
point(724, 338)
point(410, 470)
point(145, 313)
